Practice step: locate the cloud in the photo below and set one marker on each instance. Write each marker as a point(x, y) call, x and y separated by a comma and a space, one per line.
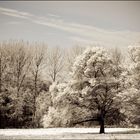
point(8, 10)
point(54, 15)
point(13, 22)
point(15, 13)
point(106, 37)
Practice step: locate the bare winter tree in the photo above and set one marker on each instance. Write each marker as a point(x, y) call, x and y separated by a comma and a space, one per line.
point(55, 63)
point(21, 63)
point(117, 56)
point(3, 63)
point(72, 54)
point(38, 64)
point(15, 63)
point(118, 60)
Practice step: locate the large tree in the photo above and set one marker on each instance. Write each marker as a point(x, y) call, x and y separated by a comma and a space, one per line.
point(15, 63)
point(38, 64)
point(3, 63)
point(20, 62)
point(94, 73)
point(55, 63)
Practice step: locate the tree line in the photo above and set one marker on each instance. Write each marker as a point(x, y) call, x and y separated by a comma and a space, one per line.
point(43, 86)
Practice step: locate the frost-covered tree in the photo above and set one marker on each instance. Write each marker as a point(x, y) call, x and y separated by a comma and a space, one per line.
point(43, 102)
point(134, 82)
point(63, 112)
point(95, 74)
point(53, 117)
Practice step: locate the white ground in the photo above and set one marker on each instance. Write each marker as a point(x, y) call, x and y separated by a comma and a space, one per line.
point(70, 133)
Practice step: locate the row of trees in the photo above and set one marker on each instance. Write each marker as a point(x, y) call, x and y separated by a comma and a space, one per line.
point(55, 87)
point(26, 72)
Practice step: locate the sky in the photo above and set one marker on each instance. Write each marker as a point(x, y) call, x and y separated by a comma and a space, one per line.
point(70, 23)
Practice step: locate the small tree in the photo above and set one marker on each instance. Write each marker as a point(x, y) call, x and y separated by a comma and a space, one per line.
point(61, 112)
point(72, 54)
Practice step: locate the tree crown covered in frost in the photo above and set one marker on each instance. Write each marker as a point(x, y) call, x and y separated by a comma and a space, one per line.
point(94, 63)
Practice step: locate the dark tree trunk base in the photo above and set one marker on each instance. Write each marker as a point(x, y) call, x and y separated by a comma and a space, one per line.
point(102, 128)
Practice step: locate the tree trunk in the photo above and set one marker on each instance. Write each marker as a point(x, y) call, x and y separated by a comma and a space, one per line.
point(34, 99)
point(102, 128)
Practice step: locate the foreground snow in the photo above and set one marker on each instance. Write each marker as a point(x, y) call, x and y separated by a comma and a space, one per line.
point(69, 133)
point(55, 131)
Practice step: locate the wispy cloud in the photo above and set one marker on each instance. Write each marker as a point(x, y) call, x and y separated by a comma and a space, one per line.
point(15, 13)
point(13, 22)
point(8, 10)
point(54, 15)
point(94, 34)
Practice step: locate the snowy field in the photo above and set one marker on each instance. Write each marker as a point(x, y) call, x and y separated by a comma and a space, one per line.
point(71, 133)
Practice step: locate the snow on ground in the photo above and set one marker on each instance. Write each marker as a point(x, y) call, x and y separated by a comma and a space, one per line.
point(56, 131)
point(70, 133)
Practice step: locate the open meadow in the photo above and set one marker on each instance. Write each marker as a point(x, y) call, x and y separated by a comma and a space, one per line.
point(71, 133)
